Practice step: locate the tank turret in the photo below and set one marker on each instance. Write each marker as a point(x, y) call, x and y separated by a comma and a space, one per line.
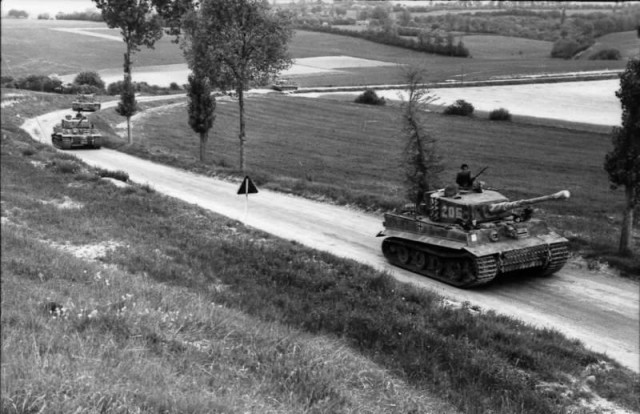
point(471, 208)
point(467, 238)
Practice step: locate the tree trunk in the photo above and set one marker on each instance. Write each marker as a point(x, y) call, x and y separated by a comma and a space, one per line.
point(129, 138)
point(627, 222)
point(204, 137)
point(242, 138)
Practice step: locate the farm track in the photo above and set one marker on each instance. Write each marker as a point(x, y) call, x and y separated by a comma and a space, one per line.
point(597, 308)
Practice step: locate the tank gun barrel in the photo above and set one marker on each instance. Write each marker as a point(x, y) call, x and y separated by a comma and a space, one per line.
point(509, 205)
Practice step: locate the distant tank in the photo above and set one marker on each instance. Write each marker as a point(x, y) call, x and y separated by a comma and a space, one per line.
point(467, 238)
point(86, 103)
point(284, 85)
point(75, 132)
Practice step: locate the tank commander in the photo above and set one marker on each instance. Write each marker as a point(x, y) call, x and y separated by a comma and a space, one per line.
point(463, 179)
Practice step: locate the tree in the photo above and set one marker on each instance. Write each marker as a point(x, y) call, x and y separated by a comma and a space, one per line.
point(201, 109)
point(248, 44)
point(622, 163)
point(89, 78)
point(127, 106)
point(421, 160)
point(138, 26)
point(18, 14)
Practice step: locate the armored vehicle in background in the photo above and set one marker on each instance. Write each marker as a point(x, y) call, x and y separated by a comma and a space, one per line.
point(284, 85)
point(75, 132)
point(86, 103)
point(467, 238)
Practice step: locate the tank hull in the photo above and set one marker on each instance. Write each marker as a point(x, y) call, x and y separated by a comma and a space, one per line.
point(467, 258)
point(69, 141)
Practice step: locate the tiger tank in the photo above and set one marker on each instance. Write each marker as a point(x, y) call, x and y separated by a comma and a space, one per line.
point(468, 238)
point(85, 102)
point(75, 132)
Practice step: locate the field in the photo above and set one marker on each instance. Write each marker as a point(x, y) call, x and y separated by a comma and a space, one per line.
point(116, 299)
point(32, 47)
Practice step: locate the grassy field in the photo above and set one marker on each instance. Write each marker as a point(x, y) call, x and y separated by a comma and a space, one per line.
point(31, 47)
point(118, 299)
point(352, 154)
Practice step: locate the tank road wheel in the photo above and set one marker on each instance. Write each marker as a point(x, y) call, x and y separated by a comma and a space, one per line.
point(403, 255)
point(435, 265)
point(420, 260)
point(467, 270)
point(452, 270)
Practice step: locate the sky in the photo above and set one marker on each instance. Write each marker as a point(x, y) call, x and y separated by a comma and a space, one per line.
point(53, 7)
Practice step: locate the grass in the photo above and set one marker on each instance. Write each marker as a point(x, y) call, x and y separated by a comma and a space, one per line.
point(357, 160)
point(186, 311)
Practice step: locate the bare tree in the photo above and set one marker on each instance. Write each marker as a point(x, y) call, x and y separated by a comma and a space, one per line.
point(422, 162)
point(622, 163)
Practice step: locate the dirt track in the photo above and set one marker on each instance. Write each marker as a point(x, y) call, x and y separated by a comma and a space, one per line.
point(598, 308)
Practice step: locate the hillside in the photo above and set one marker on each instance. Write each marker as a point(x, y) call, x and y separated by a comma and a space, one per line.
point(118, 298)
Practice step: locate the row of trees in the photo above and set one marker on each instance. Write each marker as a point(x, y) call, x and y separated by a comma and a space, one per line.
point(228, 44)
point(428, 42)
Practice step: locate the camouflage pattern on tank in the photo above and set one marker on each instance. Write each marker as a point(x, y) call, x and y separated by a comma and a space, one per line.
point(75, 132)
point(85, 103)
point(467, 238)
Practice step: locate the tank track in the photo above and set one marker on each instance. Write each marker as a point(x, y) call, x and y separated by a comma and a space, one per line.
point(558, 256)
point(456, 268)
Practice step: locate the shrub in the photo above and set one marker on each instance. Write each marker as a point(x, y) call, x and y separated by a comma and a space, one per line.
point(370, 97)
point(174, 86)
point(38, 83)
point(500, 114)
point(460, 107)
point(66, 166)
point(118, 175)
point(606, 54)
point(90, 79)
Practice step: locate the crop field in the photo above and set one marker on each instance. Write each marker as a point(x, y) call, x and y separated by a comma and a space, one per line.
point(33, 47)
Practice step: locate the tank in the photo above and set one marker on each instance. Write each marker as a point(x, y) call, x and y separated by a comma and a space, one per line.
point(284, 85)
point(75, 132)
point(86, 103)
point(468, 238)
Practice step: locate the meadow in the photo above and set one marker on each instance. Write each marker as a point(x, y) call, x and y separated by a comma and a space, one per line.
point(352, 154)
point(118, 299)
point(32, 47)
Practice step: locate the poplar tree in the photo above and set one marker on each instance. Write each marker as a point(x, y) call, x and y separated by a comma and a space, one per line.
point(622, 163)
point(422, 162)
point(138, 27)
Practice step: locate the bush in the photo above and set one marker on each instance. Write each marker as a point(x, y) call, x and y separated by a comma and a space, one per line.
point(90, 79)
point(606, 54)
point(370, 97)
point(117, 175)
point(460, 107)
point(174, 86)
point(38, 83)
point(500, 114)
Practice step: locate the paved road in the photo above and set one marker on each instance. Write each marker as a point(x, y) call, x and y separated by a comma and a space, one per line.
point(598, 308)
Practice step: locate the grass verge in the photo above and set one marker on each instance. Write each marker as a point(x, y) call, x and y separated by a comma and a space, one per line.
point(121, 299)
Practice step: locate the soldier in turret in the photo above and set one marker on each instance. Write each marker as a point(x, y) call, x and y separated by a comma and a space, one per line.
point(463, 179)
